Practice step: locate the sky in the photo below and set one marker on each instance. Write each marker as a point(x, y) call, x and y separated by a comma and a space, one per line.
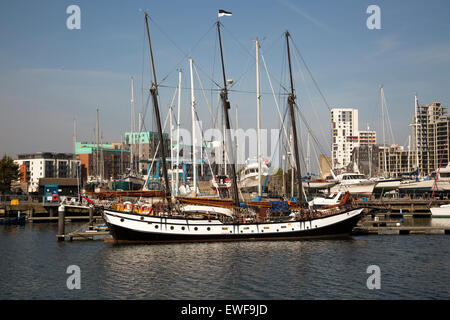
point(51, 75)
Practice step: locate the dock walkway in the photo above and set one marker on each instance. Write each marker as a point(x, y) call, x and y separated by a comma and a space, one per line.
point(402, 205)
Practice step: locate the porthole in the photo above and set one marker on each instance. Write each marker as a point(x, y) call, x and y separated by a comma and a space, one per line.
point(209, 229)
point(182, 228)
point(292, 229)
point(195, 228)
point(242, 231)
point(121, 220)
point(171, 227)
point(142, 218)
point(156, 226)
point(231, 231)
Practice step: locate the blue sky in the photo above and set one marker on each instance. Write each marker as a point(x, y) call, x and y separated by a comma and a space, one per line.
point(50, 75)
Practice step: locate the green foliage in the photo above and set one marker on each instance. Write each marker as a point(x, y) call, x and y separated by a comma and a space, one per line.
point(9, 171)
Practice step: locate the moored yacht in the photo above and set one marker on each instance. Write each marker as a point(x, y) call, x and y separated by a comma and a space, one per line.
point(355, 183)
point(169, 223)
point(248, 177)
point(438, 181)
point(386, 184)
point(441, 212)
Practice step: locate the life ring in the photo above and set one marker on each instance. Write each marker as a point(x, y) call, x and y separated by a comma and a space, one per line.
point(127, 207)
point(146, 209)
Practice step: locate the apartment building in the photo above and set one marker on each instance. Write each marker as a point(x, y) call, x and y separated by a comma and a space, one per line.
point(431, 129)
point(345, 135)
point(35, 166)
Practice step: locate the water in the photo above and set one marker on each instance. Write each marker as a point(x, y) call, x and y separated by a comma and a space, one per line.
point(33, 266)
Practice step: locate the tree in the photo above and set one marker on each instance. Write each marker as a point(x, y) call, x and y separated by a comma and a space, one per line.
point(9, 171)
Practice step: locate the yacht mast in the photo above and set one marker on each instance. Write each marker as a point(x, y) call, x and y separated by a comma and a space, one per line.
point(132, 128)
point(291, 102)
point(409, 153)
point(226, 106)
point(416, 114)
point(121, 156)
point(258, 116)
point(308, 155)
point(171, 145)
point(102, 161)
point(140, 155)
point(194, 138)
point(178, 131)
point(292, 168)
point(384, 138)
point(97, 169)
point(154, 93)
point(236, 127)
point(75, 155)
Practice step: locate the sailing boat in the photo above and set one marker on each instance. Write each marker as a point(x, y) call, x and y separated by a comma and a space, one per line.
point(170, 224)
point(97, 182)
point(385, 183)
point(130, 180)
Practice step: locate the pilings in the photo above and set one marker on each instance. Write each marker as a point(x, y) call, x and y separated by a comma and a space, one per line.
point(61, 222)
point(91, 217)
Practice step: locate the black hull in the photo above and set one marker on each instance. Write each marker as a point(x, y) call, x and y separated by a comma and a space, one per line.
point(125, 235)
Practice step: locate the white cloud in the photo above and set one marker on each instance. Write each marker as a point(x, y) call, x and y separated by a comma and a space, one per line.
point(304, 14)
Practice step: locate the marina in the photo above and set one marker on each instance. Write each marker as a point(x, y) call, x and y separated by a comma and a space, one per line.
point(187, 152)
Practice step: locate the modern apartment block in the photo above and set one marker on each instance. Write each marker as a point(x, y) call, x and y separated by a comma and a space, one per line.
point(431, 129)
point(34, 166)
point(345, 135)
point(108, 161)
point(367, 137)
point(394, 160)
point(144, 145)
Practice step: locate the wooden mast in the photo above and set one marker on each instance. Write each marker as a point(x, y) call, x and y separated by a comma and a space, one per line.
point(291, 102)
point(226, 106)
point(154, 93)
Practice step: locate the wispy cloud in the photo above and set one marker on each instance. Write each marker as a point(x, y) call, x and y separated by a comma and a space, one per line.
point(386, 44)
point(436, 54)
point(305, 15)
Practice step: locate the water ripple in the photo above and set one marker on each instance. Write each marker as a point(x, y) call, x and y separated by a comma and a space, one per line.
point(33, 266)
